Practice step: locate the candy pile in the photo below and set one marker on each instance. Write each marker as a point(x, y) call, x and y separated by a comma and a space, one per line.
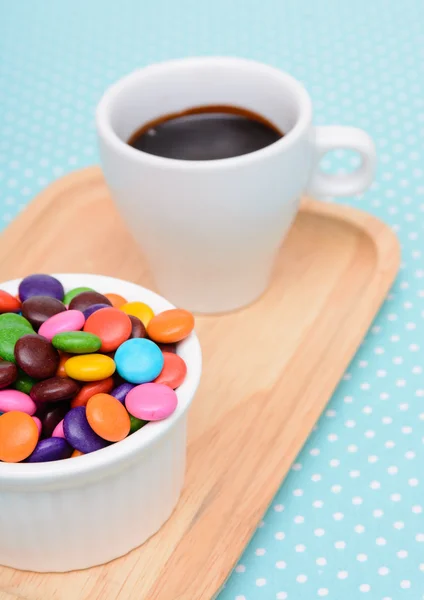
point(81, 370)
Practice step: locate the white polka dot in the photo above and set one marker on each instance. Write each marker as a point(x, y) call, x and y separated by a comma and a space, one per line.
point(296, 467)
point(405, 584)
point(419, 537)
point(336, 489)
point(280, 535)
point(370, 434)
point(334, 462)
point(396, 497)
point(317, 503)
point(316, 477)
point(240, 569)
point(300, 548)
point(321, 561)
point(340, 545)
point(357, 500)
point(399, 525)
point(298, 492)
point(332, 437)
point(330, 413)
point(417, 509)
point(392, 470)
point(364, 587)
point(323, 592)
point(383, 571)
point(372, 458)
point(387, 420)
point(381, 541)
point(261, 582)
point(359, 528)
point(314, 452)
point(375, 485)
point(402, 554)
point(354, 473)
point(301, 578)
point(361, 557)
point(390, 444)
point(299, 519)
point(240, 598)
point(281, 596)
point(260, 551)
point(377, 513)
point(413, 482)
point(350, 423)
point(319, 532)
point(342, 575)
point(279, 508)
point(281, 564)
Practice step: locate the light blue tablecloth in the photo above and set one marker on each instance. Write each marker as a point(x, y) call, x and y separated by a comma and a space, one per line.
point(348, 521)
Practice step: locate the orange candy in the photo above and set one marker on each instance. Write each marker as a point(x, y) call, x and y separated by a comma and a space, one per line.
point(61, 368)
point(108, 417)
point(9, 303)
point(116, 300)
point(18, 436)
point(111, 325)
point(170, 326)
point(104, 386)
point(76, 453)
point(173, 372)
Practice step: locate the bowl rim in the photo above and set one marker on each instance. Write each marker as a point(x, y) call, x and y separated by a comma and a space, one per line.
point(116, 455)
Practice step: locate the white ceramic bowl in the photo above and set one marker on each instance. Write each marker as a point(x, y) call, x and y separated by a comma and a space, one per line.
point(76, 513)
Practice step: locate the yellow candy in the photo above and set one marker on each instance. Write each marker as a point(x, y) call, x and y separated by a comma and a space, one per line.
point(90, 367)
point(140, 310)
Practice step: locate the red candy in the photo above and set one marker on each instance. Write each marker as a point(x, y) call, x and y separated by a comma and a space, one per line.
point(111, 325)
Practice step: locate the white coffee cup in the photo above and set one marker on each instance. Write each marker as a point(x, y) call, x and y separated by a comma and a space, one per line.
point(210, 230)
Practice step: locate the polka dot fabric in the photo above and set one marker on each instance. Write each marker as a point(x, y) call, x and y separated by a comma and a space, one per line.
point(348, 521)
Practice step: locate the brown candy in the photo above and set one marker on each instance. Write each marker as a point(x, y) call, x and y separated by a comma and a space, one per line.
point(51, 417)
point(8, 374)
point(137, 328)
point(167, 347)
point(38, 309)
point(86, 299)
point(55, 389)
point(36, 356)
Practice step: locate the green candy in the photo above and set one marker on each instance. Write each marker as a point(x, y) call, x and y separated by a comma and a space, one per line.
point(8, 320)
point(8, 338)
point(136, 424)
point(72, 293)
point(24, 382)
point(77, 342)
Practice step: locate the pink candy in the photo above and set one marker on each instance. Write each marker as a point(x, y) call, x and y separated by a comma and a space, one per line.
point(58, 430)
point(38, 423)
point(151, 401)
point(16, 400)
point(70, 320)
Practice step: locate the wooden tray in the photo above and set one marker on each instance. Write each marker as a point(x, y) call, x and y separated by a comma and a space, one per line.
point(269, 371)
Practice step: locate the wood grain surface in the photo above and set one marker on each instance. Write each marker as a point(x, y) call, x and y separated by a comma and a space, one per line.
point(269, 371)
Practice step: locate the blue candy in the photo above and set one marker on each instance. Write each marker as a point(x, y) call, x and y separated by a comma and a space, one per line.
point(78, 432)
point(40, 285)
point(139, 360)
point(54, 448)
point(121, 391)
point(93, 308)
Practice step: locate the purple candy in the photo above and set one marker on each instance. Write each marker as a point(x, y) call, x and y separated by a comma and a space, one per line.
point(121, 391)
point(50, 449)
point(40, 285)
point(93, 308)
point(79, 433)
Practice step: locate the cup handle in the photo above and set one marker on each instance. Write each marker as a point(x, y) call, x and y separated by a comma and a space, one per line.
point(335, 137)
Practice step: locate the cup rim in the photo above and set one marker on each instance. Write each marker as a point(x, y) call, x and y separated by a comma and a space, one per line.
point(106, 132)
point(32, 475)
